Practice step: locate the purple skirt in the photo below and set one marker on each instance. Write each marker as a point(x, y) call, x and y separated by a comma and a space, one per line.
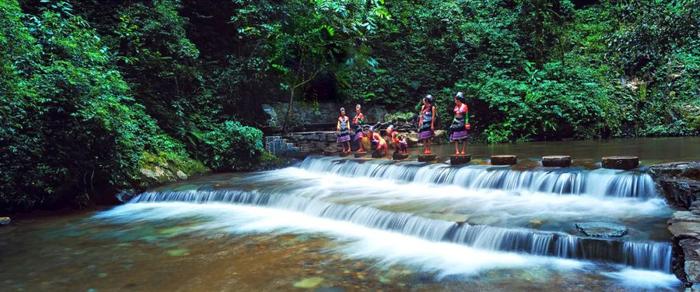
point(358, 136)
point(459, 136)
point(343, 138)
point(423, 135)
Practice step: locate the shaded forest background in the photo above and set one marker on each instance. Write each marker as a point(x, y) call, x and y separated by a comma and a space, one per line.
point(92, 92)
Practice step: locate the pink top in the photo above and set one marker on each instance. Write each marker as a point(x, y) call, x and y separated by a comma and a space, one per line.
point(461, 110)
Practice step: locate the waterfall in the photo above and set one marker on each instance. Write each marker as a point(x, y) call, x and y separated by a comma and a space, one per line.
point(561, 181)
point(645, 255)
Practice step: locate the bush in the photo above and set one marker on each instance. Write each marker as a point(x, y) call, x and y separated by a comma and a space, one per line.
point(232, 146)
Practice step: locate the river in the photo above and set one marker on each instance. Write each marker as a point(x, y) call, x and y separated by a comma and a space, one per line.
point(336, 224)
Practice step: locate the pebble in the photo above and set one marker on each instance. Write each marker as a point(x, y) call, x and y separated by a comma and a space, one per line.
point(308, 283)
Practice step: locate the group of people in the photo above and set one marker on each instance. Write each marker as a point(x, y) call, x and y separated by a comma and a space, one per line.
point(369, 138)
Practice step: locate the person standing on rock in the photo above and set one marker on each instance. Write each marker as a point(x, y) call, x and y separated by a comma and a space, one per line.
point(343, 129)
point(358, 121)
point(460, 126)
point(426, 123)
point(378, 140)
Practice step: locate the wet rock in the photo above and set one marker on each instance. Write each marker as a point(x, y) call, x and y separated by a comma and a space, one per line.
point(679, 182)
point(178, 252)
point(535, 223)
point(685, 227)
point(556, 161)
point(460, 159)
point(601, 229)
point(427, 157)
point(5, 221)
point(399, 156)
point(621, 162)
point(504, 159)
point(181, 175)
point(308, 283)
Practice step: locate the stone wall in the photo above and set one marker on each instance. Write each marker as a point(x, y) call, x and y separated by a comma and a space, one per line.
point(680, 184)
point(315, 116)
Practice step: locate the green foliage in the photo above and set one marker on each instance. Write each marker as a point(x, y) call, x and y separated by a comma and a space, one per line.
point(92, 91)
point(232, 146)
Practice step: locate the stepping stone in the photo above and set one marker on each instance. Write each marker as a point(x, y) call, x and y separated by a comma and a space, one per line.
point(344, 154)
point(427, 157)
point(601, 229)
point(556, 161)
point(399, 156)
point(360, 154)
point(621, 162)
point(376, 154)
point(504, 159)
point(460, 159)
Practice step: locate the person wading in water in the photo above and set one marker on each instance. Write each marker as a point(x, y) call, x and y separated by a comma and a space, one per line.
point(343, 128)
point(426, 123)
point(459, 126)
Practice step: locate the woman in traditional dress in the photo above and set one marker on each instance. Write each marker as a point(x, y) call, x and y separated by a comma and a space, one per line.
point(459, 126)
point(358, 121)
point(426, 123)
point(343, 128)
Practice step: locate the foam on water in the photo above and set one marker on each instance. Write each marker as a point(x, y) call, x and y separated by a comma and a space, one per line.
point(643, 279)
point(387, 248)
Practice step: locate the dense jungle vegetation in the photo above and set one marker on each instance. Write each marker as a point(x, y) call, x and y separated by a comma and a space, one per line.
point(92, 91)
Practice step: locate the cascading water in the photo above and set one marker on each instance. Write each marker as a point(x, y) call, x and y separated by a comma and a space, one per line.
point(567, 181)
point(646, 255)
point(488, 209)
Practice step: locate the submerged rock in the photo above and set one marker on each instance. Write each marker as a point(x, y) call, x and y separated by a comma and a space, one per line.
point(5, 221)
point(601, 229)
point(308, 283)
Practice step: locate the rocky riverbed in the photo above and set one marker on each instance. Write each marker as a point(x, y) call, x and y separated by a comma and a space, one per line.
point(680, 183)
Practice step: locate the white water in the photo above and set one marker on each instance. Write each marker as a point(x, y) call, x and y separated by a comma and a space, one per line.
point(566, 181)
point(387, 248)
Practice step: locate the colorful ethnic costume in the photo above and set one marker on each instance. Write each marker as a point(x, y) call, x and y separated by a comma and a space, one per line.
point(425, 132)
point(458, 128)
point(344, 133)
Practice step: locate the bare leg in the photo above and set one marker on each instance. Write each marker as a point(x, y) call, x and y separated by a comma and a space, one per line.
point(456, 147)
point(464, 147)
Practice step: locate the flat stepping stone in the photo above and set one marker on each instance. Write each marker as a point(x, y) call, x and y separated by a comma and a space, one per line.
point(344, 154)
point(504, 159)
point(460, 159)
point(621, 162)
point(427, 157)
point(360, 154)
point(376, 154)
point(399, 156)
point(556, 161)
point(601, 229)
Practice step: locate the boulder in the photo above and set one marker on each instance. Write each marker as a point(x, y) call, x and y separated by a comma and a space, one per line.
point(460, 159)
point(504, 159)
point(679, 182)
point(685, 228)
point(621, 162)
point(556, 161)
point(601, 229)
point(412, 138)
point(5, 221)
